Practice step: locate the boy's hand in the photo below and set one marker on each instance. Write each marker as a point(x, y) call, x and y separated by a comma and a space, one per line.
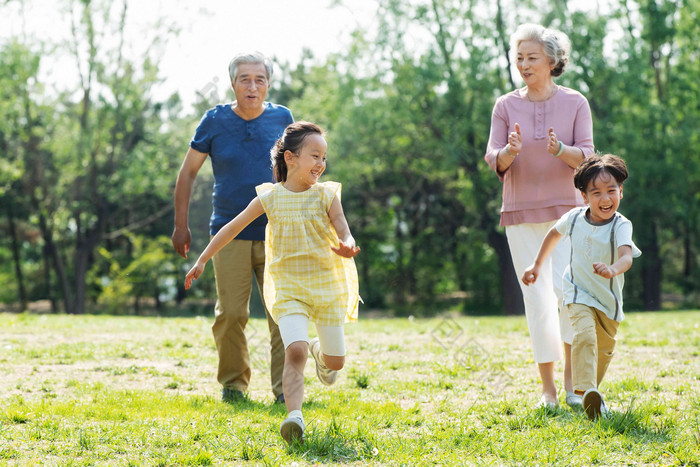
point(194, 273)
point(346, 250)
point(530, 275)
point(604, 270)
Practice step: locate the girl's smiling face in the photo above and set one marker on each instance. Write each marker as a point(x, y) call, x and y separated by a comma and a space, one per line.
point(603, 196)
point(308, 164)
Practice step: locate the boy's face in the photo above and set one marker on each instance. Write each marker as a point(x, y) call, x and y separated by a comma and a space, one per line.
point(603, 196)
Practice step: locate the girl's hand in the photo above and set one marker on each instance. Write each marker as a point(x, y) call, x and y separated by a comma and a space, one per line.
point(552, 142)
point(604, 270)
point(530, 275)
point(347, 250)
point(515, 140)
point(194, 273)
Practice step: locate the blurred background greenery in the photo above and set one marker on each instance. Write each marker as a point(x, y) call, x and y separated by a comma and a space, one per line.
point(87, 173)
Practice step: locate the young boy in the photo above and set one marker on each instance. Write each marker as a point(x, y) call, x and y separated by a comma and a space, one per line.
point(601, 251)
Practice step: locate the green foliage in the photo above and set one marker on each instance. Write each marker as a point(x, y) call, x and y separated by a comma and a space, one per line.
point(86, 173)
point(148, 273)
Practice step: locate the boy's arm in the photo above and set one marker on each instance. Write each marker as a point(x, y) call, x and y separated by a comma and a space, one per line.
point(550, 241)
point(622, 265)
point(225, 235)
point(346, 245)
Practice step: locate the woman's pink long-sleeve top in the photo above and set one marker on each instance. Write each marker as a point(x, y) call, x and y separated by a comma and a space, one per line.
point(538, 187)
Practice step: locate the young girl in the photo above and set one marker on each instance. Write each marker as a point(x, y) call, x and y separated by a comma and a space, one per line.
point(309, 271)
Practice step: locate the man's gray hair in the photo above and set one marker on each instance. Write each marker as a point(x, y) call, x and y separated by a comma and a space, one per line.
point(555, 43)
point(251, 57)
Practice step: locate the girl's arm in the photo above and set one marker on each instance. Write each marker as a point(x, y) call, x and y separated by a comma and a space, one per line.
point(225, 235)
point(623, 263)
point(346, 245)
point(550, 241)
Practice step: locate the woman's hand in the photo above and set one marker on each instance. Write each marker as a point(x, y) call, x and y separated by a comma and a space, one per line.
point(515, 141)
point(346, 250)
point(553, 142)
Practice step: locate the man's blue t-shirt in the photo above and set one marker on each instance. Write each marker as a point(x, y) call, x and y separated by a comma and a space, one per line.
point(240, 156)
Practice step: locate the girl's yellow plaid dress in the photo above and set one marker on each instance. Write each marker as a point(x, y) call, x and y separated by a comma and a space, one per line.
point(302, 274)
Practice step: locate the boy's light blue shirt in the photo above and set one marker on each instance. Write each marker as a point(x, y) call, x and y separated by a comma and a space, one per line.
point(594, 243)
point(240, 156)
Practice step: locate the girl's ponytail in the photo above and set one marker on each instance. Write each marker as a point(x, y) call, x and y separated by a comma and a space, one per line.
point(279, 165)
point(291, 140)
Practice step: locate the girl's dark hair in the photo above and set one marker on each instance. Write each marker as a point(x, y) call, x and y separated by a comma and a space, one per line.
point(291, 140)
point(593, 165)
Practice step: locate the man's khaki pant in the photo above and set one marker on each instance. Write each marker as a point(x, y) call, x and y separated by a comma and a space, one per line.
point(232, 267)
point(593, 346)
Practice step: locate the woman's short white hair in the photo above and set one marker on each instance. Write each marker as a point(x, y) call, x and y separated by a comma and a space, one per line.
point(250, 57)
point(555, 43)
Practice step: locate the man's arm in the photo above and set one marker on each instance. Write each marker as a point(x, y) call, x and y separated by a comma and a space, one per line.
point(181, 237)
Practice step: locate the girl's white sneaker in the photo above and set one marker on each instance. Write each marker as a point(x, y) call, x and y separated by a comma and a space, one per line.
point(292, 428)
point(325, 374)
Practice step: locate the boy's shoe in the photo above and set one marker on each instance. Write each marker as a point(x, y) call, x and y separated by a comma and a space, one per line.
point(325, 374)
point(593, 404)
point(292, 428)
point(573, 400)
point(232, 395)
point(279, 399)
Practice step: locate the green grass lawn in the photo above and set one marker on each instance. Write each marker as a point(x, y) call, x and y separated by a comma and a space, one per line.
point(104, 390)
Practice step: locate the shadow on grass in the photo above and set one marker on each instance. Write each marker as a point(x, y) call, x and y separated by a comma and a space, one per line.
point(635, 423)
point(246, 404)
point(334, 444)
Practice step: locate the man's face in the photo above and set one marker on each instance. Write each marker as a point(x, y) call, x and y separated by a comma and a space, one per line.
point(251, 86)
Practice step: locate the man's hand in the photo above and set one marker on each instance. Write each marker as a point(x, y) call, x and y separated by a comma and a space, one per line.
point(181, 239)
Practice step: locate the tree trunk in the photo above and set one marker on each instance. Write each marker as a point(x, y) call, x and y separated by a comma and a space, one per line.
point(48, 289)
point(651, 271)
point(84, 247)
point(510, 287)
point(58, 262)
point(16, 258)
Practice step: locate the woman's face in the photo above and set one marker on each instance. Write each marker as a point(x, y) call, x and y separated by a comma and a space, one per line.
point(533, 64)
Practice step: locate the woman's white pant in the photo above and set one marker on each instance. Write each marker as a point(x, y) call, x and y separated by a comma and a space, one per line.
point(548, 323)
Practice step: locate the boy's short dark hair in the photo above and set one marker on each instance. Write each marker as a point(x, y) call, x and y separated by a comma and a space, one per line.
point(594, 165)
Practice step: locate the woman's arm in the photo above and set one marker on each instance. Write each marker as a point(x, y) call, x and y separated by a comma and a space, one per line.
point(570, 155)
point(346, 245)
point(582, 145)
point(223, 237)
point(500, 154)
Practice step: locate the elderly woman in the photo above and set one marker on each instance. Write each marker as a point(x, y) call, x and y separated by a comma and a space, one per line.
point(539, 135)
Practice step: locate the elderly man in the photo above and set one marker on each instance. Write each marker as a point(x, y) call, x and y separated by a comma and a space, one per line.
point(237, 137)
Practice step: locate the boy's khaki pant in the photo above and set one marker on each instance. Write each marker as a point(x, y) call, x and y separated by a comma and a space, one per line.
point(232, 267)
point(593, 345)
